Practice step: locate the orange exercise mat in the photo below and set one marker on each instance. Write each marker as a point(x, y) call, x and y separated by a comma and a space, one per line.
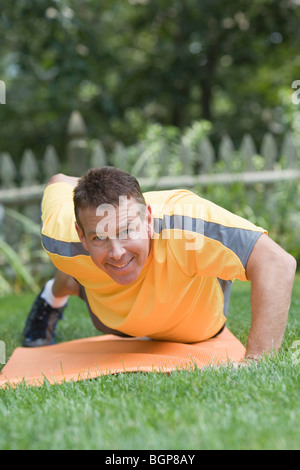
point(93, 357)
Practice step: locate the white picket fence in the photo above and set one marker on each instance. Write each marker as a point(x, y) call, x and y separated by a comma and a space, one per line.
point(22, 187)
point(24, 184)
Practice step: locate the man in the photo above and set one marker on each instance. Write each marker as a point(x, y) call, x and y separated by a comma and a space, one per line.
point(159, 264)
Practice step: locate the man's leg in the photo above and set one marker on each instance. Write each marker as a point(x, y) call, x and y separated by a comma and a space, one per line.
point(64, 286)
point(48, 309)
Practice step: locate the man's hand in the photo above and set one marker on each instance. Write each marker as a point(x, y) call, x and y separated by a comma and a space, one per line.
point(271, 271)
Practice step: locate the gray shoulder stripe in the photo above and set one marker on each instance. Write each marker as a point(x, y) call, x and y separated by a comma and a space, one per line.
point(177, 221)
point(238, 240)
point(62, 248)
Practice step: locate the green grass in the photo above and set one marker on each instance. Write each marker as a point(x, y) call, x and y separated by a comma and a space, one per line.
point(255, 407)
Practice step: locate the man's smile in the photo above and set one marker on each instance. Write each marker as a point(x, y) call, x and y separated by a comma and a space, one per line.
point(120, 266)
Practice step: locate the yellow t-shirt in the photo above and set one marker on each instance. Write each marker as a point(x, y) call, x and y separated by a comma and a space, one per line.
point(182, 293)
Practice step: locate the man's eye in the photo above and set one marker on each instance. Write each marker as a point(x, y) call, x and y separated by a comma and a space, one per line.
point(124, 233)
point(100, 238)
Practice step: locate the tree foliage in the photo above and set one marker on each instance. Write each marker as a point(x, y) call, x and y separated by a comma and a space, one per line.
point(128, 63)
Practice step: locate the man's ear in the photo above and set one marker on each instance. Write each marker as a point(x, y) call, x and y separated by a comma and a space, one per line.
point(81, 235)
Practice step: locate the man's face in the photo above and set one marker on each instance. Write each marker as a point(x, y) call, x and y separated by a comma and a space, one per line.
point(118, 238)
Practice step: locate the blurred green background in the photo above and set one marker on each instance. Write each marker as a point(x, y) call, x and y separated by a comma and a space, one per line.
point(128, 63)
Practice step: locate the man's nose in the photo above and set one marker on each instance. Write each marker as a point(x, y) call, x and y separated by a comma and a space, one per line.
point(116, 249)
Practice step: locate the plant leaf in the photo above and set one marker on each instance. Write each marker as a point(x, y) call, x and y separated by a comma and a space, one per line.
point(14, 261)
point(26, 222)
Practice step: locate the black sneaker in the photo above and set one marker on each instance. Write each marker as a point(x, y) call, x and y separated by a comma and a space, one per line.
point(41, 323)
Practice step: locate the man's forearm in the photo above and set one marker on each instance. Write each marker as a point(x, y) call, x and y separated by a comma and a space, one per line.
point(271, 271)
point(270, 303)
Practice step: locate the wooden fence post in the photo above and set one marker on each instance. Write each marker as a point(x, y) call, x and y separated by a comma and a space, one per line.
point(8, 171)
point(207, 156)
point(289, 153)
point(186, 157)
point(51, 164)
point(98, 156)
point(77, 147)
point(29, 172)
point(248, 150)
point(226, 150)
point(269, 151)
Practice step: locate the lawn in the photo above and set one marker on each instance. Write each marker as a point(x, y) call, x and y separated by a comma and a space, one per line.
point(254, 407)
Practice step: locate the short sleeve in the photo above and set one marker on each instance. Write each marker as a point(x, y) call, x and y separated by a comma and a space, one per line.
point(207, 240)
point(59, 235)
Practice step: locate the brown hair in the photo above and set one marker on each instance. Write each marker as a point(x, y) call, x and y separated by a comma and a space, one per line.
point(104, 186)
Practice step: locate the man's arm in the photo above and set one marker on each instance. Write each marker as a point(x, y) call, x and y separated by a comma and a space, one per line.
point(61, 178)
point(271, 271)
